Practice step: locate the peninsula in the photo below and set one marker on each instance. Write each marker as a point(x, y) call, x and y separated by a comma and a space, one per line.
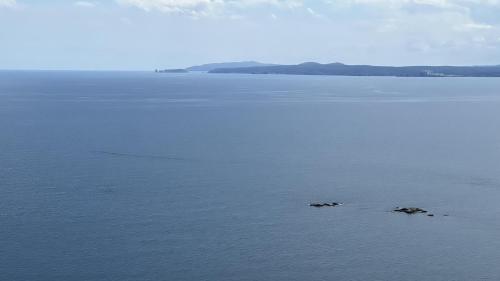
point(340, 69)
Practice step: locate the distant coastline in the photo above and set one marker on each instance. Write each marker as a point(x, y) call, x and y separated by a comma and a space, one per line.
point(214, 66)
point(171, 71)
point(340, 69)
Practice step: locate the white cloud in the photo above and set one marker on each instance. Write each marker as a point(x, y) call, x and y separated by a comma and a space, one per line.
point(8, 3)
point(418, 25)
point(399, 4)
point(463, 5)
point(85, 4)
point(194, 8)
point(426, 26)
point(476, 26)
point(205, 7)
point(313, 13)
point(279, 3)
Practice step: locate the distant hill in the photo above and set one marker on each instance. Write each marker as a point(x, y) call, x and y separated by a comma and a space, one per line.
point(171, 71)
point(227, 65)
point(312, 68)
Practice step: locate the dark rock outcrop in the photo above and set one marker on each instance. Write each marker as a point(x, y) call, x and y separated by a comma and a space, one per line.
point(319, 205)
point(410, 211)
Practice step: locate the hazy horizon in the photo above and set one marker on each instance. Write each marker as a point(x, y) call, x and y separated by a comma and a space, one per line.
point(149, 34)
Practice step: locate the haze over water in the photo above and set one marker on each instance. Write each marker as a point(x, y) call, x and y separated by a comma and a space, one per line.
point(140, 176)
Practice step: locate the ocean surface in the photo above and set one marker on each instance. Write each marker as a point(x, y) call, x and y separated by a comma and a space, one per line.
point(135, 176)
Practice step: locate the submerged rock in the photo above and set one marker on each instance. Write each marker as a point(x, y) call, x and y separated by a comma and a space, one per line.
point(319, 205)
point(410, 211)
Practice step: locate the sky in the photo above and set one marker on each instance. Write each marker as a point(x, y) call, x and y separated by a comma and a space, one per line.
point(150, 34)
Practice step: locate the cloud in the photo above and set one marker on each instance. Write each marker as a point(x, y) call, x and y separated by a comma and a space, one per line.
point(413, 5)
point(439, 13)
point(169, 6)
point(194, 8)
point(419, 25)
point(313, 13)
point(205, 7)
point(85, 4)
point(430, 27)
point(278, 3)
point(476, 26)
point(463, 5)
point(8, 3)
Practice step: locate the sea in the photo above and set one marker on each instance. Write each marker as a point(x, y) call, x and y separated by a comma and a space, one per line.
point(139, 176)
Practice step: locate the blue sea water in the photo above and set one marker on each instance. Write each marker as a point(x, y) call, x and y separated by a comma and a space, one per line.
point(134, 176)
